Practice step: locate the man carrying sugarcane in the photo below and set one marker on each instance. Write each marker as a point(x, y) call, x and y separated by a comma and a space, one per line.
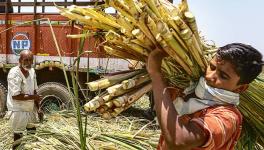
point(206, 117)
point(22, 99)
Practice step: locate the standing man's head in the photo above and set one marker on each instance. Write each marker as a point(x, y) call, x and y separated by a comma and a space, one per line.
point(26, 59)
point(234, 67)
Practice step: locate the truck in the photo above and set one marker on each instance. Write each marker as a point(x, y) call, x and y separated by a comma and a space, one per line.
point(26, 26)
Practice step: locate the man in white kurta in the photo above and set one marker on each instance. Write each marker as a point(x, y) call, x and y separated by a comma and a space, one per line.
point(22, 99)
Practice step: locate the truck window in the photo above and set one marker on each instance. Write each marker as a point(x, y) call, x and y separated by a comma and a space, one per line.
point(9, 5)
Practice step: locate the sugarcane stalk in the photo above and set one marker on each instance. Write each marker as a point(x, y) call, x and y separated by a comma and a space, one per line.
point(77, 36)
point(119, 53)
point(92, 106)
point(152, 26)
point(185, 28)
point(175, 56)
point(127, 27)
point(150, 13)
point(191, 42)
point(120, 45)
point(210, 51)
point(102, 109)
point(153, 6)
point(183, 6)
point(173, 10)
point(164, 14)
point(135, 81)
point(140, 43)
point(120, 101)
point(177, 37)
point(194, 48)
point(117, 4)
point(191, 21)
point(95, 103)
point(92, 22)
point(133, 9)
point(73, 16)
point(173, 65)
point(109, 81)
point(142, 38)
point(113, 37)
point(94, 14)
point(106, 115)
point(133, 97)
point(109, 104)
point(138, 48)
point(126, 49)
point(118, 110)
point(165, 67)
point(116, 90)
point(107, 98)
point(170, 40)
point(143, 27)
point(180, 23)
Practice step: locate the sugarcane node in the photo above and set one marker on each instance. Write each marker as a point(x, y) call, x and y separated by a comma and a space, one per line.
point(167, 36)
point(130, 100)
point(163, 44)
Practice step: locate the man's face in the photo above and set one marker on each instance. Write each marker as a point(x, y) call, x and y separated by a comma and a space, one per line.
point(221, 74)
point(26, 61)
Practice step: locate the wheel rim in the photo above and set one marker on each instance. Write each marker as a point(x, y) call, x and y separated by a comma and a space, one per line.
point(51, 103)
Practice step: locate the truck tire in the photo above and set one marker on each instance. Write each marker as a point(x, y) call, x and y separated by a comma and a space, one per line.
point(55, 97)
point(3, 94)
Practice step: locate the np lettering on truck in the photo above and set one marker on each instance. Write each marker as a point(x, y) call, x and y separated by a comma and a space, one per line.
point(20, 42)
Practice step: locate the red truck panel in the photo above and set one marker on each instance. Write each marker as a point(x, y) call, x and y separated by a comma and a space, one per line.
point(40, 36)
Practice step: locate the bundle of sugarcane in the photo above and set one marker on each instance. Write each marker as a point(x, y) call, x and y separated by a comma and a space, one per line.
point(252, 107)
point(122, 90)
point(141, 25)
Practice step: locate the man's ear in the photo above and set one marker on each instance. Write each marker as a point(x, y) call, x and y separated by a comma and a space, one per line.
point(241, 88)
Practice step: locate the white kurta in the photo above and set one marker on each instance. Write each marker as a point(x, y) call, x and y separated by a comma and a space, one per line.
point(22, 114)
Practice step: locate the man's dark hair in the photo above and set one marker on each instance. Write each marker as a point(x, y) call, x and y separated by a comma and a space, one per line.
point(247, 60)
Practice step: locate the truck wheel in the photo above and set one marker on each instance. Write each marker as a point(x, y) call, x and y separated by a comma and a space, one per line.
point(55, 97)
point(3, 94)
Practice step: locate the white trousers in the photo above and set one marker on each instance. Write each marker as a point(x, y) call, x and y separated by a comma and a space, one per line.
point(20, 120)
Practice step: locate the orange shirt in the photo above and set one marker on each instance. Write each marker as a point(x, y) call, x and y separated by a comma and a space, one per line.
point(223, 125)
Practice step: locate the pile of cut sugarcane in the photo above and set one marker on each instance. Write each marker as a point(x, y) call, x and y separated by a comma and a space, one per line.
point(122, 90)
point(142, 25)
